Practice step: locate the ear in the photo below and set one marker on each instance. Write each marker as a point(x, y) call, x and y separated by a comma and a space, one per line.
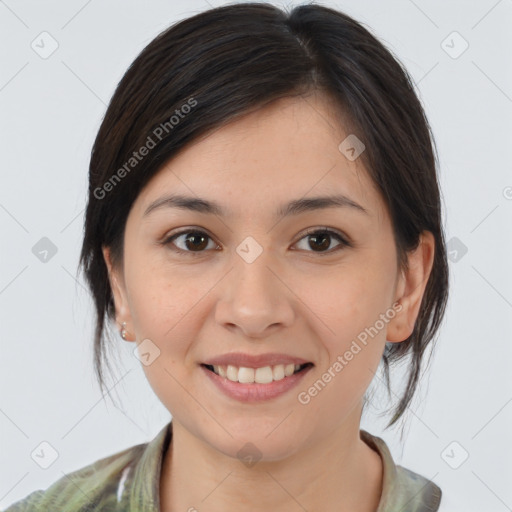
point(411, 287)
point(116, 280)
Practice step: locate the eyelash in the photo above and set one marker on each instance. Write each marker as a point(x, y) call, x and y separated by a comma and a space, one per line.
point(314, 231)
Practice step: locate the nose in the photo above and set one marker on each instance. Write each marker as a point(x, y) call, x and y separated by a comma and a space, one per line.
point(254, 299)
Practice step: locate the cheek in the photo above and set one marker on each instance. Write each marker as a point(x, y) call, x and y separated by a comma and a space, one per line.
point(156, 290)
point(349, 308)
point(348, 300)
point(160, 303)
point(162, 309)
point(169, 305)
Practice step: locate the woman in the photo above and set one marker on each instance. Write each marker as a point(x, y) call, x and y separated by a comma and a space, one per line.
point(264, 224)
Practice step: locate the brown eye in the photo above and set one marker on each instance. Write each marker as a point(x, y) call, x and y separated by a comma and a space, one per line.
point(193, 242)
point(321, 239)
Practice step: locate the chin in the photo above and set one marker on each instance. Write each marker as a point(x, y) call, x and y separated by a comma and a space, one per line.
point(257, 441)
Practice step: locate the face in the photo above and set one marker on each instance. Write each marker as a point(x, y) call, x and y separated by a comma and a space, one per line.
point(256, 278)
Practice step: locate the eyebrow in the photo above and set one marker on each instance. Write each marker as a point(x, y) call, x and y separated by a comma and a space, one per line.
point(294, 207)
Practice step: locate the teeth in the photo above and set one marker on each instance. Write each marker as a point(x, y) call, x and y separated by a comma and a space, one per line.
point(278, 372)
point(263, 375)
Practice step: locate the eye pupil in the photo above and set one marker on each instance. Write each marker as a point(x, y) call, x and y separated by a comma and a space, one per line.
point(201, 245)
point(325, 240)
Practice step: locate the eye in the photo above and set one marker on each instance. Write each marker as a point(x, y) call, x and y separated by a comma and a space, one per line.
point(194, 241)
point(320, 239)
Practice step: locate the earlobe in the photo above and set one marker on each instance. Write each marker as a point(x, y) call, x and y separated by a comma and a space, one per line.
point(411, 288)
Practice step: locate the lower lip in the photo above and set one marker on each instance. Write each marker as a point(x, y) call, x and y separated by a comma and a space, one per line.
point(254, 392)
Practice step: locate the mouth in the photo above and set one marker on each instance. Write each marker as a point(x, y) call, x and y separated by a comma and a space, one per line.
point(262, 375)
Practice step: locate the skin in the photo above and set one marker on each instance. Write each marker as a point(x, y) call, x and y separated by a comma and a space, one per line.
point(297, 297)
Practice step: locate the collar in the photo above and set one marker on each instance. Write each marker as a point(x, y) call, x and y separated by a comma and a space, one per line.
point(402, 489)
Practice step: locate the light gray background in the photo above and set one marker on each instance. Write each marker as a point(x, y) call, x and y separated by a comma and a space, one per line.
point(50, 111)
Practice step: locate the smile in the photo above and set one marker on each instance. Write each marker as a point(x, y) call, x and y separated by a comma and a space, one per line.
point(255, 384)
point(263, 375)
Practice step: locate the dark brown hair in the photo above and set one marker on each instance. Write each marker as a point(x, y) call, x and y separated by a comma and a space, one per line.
point(228, 61)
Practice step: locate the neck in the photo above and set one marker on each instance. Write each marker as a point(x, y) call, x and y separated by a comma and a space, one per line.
point(336, 473)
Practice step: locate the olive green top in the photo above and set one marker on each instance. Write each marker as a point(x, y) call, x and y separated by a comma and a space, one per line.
point(129, 481)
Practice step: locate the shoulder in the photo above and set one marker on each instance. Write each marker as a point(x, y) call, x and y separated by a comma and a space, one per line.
point(402, 488)
point(419, 492)
point(93, 487)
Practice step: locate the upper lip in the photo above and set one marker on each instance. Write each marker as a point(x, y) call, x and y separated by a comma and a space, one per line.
point(254, 361)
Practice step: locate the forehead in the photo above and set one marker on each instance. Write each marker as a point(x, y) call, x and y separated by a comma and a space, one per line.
point(286, 150)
